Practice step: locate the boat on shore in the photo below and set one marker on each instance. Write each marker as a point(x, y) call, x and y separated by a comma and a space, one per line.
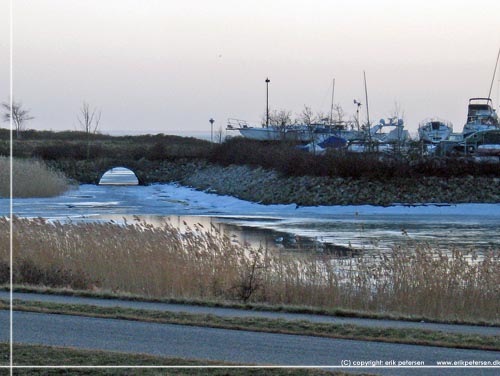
point(434, 130)
point(397, 134)
point(316, 133)
point(481, 116)
point(271, 133)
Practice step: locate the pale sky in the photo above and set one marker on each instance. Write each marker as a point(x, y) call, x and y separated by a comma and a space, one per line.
point(169, 66)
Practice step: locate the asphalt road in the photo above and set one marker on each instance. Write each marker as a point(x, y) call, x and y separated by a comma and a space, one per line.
point(466, 329)
point(230, 345)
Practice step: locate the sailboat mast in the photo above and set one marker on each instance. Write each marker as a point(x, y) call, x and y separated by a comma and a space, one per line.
point(366, 96)
point(498, 92)
point(331, 108)
point(494, 73)
point(367, 110)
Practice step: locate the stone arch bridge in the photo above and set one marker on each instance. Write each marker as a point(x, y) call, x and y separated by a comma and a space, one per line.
point(147, 172)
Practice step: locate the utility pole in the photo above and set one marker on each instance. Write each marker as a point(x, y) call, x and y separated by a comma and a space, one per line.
point(267, 101)
point(357, 103)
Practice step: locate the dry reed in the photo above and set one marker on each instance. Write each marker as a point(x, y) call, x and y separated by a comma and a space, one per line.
point(31, 178)
point(202, 263)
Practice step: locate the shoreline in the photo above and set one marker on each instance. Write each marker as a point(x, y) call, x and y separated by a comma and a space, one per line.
point(265, 186)
point(269, 187)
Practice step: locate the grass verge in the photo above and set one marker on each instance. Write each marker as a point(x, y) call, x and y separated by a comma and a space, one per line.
point(51, 355)
point(334, 312)
point(392, 335)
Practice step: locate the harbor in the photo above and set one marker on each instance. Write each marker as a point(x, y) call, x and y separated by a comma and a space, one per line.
point(480, 136)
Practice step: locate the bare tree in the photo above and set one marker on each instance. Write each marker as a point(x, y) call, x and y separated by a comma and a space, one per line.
point(307, 118)
point(19, 115)
point(339, 114)
point(396, 114)
point(280, 118)
point(277, 118)
point(89, 119)
point(219, 135)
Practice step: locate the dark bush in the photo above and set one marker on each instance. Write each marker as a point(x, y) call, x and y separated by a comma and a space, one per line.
point(26, 272)
point(291, 161)
point(67, 150)
point(157, 152)
point(4, 272)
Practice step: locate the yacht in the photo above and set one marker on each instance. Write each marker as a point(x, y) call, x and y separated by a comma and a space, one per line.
point(397, 135)
point(434, 130)
point(480, 116)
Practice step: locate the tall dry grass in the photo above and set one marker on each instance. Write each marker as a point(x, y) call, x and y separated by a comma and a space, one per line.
point(201, 263)
point(31, 178)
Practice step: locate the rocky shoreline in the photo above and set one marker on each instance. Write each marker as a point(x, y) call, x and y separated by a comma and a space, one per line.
point(268, 187)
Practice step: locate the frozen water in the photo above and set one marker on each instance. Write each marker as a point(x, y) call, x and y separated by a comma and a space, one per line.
point(469, 225)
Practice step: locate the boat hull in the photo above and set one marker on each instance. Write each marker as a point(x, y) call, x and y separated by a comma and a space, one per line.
point(262, 134)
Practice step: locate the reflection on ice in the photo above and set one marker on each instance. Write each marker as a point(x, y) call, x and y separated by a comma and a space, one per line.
point(366, 227)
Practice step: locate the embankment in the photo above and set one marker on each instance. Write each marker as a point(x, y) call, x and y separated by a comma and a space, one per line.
point(268, 187)
point(271, 187)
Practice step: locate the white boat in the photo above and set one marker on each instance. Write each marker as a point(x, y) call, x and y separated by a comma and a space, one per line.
point(262, 134)
point(398, 134)
point(434, 130)
point(296, 132)
point(254, 133)
point(480, 116)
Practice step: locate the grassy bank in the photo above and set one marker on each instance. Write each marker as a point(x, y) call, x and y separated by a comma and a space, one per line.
point(339, 331)
point(74, 145)
point(37, 355)
point(31, 178)
point(249, 305)
point(203, 264)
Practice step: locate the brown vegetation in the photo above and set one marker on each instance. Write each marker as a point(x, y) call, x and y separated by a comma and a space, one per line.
point(31, 178)
point(201, 263)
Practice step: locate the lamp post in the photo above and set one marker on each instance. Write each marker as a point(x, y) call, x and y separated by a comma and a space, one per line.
point(357, 103)
point(267, 101)
point(212, 130)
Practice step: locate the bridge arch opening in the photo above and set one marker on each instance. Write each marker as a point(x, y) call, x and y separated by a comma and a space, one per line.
point(119, 176)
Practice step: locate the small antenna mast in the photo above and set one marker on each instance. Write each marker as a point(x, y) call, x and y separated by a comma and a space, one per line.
point(494, 73)
point(331, 108)
point(366, 96)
